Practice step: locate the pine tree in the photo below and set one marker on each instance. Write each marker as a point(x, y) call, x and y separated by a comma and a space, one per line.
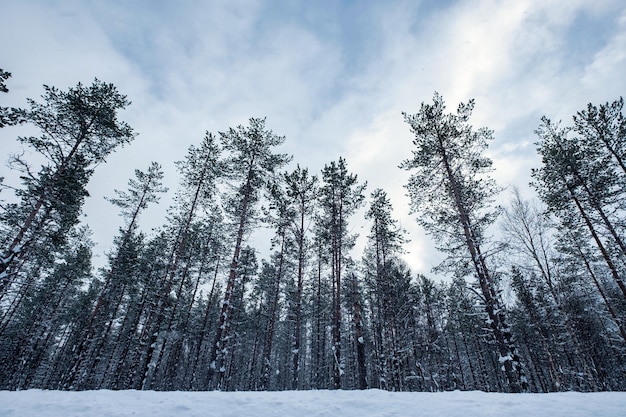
point(120, 275)
point(302, 189)
point(49, 239)
point(605, 125)
point(575, 180)
point(249, 165)
point(200, 172)
point(341, 196)
point(359, 334)
point(8, 116)
point(530, 243)
point(322, 294)
point(449, 188)
point(288, 206)
point(79, 129)
point(380, 262)
point(234, 375)
point(32, 337)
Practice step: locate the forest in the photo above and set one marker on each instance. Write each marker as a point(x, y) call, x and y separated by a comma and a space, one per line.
point(192, 306)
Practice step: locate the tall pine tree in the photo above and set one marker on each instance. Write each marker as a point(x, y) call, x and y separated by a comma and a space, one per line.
point(450, 190)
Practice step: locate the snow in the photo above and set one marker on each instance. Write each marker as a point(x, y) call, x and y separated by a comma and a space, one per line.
point(503, 359)
point(106, 403)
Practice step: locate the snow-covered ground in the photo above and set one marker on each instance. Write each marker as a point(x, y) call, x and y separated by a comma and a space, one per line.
point(104, 403)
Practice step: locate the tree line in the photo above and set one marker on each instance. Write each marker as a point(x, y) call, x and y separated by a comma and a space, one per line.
point(190, 306)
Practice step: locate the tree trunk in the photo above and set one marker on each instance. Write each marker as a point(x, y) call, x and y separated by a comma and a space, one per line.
point(596, 238)
point(360, 341)
point(269, 335)
point(295, 383)
point(502, 334)
point(14, 247)
point(221, 336)
point(618, 322)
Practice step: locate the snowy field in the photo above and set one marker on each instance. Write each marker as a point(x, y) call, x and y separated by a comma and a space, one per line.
point(104, 403)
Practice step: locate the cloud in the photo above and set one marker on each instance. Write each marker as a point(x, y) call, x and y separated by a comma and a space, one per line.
point(332, 77)
point(603, 78)
point(514, 58)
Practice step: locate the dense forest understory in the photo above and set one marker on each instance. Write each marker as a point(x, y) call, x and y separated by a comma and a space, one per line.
point(190, 306)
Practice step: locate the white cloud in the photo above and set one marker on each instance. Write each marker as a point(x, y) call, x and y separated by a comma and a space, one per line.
point(603, 78)
point(208, 66)
point(512, 57)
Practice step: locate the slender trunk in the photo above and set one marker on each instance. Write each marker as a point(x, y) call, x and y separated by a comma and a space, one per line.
point(119, 348)
point(269, 335)
point(101, 341)
point(598, 208)
point(596, 205)
point(14, 247)
point(502, 334)
point(172, 269)
point(19, 254)
point(252, 380)
point(538, 255)
point(360, 342)
point(126, 237)
point(204, 330)
point(295, 383)
point(596, 238)
point(543, 334)
point(337, 258)
point(218, 350)
point(124, 380)
point(185, 321)
point(616, 319)
point(232, 362)
point(337, 367)
point(618, 158)
point(170, 323)
point(318, 325)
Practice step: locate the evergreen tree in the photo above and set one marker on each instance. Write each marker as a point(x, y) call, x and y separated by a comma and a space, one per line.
point(541, 303)
point(322, 293)
point(463, 325)
point(200, 172)
point(281, 216)
point(580, 180)
point(381, 274)
point(48, 239)
point(234, 373)
point(8, 116)
point(451, 191)
point(79, 129)
point(302, 190)
point(32, 337)
point(605, 125)
point(341, 196)
point(119, 278)
point(249, 165)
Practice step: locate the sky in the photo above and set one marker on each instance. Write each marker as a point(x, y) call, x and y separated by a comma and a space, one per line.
point(374, 402)
point(333, 77)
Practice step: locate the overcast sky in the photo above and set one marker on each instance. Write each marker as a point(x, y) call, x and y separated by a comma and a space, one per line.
point(331, 76)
